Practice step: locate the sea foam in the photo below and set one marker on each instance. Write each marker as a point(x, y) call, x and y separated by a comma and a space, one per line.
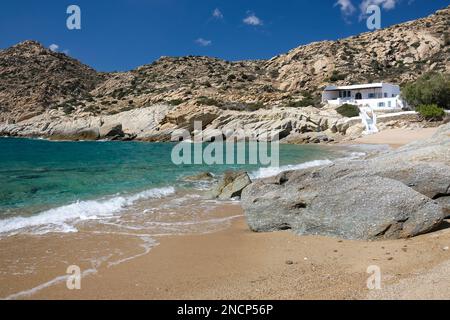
point(273, 171)
point(56, 220)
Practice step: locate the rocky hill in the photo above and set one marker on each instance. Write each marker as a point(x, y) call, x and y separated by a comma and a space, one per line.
point(51, 87)
point(34, 79)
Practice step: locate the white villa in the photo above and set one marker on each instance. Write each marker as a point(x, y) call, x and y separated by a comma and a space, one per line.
point(377, 96)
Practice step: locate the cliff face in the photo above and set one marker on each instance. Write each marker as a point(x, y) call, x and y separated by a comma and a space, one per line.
point(36, 81)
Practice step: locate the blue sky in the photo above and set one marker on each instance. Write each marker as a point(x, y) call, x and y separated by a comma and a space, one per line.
point(121, 35)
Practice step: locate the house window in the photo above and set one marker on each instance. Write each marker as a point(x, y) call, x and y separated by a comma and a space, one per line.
point(346, 94)
point(385, 95)
point(393, 95)
point(371, 95)
point(381, 104)
point(390, 104)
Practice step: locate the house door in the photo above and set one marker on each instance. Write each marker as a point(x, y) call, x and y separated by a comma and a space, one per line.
point(358, 96)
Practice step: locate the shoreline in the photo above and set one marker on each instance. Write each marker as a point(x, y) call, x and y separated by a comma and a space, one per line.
point(235, 263)
point(395, 138)
point(238, 264)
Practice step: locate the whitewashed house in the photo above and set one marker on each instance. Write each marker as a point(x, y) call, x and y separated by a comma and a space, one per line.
point(377, 96)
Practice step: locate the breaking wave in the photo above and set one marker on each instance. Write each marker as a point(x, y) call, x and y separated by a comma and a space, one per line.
point(56, 220)
point(273, 171)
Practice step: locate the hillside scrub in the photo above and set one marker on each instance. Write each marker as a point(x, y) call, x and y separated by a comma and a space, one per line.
point(431, 112)
point(348, 110)
point(430, 89)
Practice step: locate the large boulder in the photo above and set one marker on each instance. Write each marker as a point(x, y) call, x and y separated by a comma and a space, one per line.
point(231, 185)
point(398, 194)
point(350, 207)
point(76, 134)
point(111, 131)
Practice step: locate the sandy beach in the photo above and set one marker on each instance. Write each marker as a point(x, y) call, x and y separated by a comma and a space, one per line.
point(234, 263)
point(238, 264)
point(277, 151)
point(396, 137)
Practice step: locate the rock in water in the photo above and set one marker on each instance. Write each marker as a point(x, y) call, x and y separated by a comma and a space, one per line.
point(203, 176)
point(231, 185)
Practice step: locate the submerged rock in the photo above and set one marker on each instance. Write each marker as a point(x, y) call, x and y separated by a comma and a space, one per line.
point(231, 185)
point(203, 176)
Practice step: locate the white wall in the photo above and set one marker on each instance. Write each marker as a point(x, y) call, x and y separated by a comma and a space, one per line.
point(388, 95)
point(382, 103)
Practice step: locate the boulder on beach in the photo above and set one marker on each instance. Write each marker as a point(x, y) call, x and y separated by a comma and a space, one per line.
point(231, 185)
point(398, 194)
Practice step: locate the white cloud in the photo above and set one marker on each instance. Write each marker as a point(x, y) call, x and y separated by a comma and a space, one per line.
point(253, 20)
point(217, 14)
point(202, 42)
point(54, 47)
point(346, 6)
point(66, 52)
point(385, 4)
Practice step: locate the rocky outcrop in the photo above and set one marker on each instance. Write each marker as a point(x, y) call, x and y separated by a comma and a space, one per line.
point(35, 79)
point(111, 131)
point(231, 185)
point(397, 194)
point(38, 83)
point(142, 124)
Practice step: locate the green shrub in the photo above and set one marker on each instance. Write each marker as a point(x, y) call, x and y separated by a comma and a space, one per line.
point(127, 108)
point(241, 106)
point(300, 103)
point(431, 88)
point(431, 112)
point(254, 106)
point(208, 101)
point(307, 100)
point(336, 76)
point(348, 110)
point(231, 77)
point(68, 109)
point(175, 102)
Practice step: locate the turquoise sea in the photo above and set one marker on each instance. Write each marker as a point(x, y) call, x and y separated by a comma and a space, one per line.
point(39, 176)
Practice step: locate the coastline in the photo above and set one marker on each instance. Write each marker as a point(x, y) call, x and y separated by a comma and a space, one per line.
point(238, 264)
point(235, 263)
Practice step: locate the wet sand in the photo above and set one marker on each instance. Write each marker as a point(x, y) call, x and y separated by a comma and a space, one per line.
point(238, 264)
